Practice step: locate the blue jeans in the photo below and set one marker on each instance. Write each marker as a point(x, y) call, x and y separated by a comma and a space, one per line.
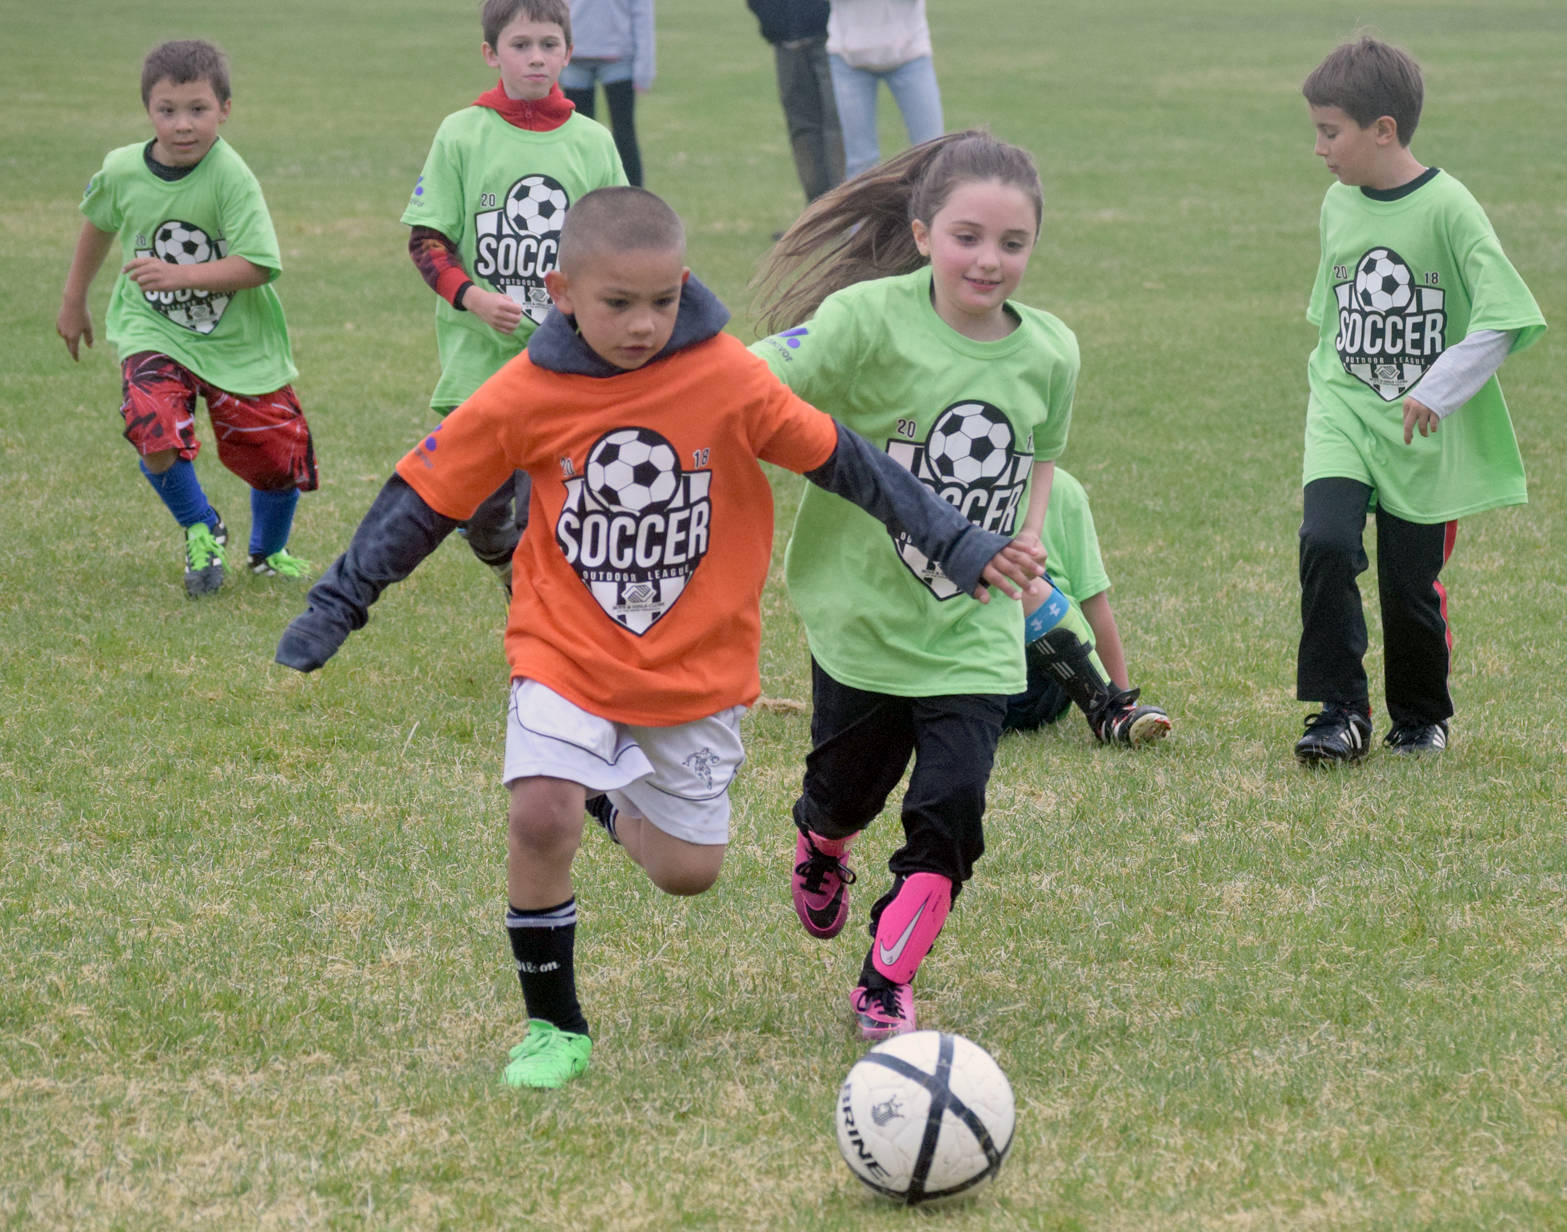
point(914, 89)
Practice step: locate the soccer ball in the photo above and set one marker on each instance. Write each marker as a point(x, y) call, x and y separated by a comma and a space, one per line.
point(181, 243)
point(969, 443)
point(632, 470)
point(1382, 282)
point(536, 205)
point(925, 1115)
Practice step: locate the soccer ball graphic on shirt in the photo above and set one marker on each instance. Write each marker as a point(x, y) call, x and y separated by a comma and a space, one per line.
point(1383, 282)
point(536, 206)
point(970, 444)
point(632, 470)
point(925, 1115)
point(181, 243)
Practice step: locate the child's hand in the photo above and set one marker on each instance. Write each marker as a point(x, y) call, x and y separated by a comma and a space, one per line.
point(74, 324)
point(1012, 569)
point(500, 312)
point(156, 274)
point(1418, 415)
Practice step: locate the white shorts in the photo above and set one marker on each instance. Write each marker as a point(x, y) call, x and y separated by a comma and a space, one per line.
point(677, 777)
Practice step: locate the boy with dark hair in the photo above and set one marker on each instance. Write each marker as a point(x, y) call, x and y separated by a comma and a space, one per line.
point(1417, 306)
point(193, 314)
point(485, 219)
point(633, 648)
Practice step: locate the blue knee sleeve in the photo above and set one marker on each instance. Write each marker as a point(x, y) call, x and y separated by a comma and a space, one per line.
point(271, 518)
point(180, 490)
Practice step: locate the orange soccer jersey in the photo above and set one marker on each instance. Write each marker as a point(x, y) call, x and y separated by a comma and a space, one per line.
point(639, 582)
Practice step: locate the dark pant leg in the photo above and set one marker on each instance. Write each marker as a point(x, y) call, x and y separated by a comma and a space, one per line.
point(811, 113)
point(860, 744)
point(581, 99)
point(1417, 643)
point(493, 530)
point(1330, 666)
point(622, 99)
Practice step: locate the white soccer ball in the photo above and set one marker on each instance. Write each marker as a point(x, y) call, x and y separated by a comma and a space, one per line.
point(631, 470)
point(970, 444)
point(1383, 282)
point(181, 243)
point(536, 205)
point(925, 1115)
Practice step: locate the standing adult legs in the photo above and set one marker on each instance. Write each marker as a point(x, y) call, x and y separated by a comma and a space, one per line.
point(918, 96)
point(854, 90)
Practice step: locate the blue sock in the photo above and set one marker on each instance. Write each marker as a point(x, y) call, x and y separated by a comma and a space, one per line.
point(180, 490)
point(1046, 616)
point(271, 518)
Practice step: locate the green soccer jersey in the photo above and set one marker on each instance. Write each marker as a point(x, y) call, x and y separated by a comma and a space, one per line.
point(500, 193)
point(236, 340)
point(1071, 544)
point(1400, 281)
point(968, 419)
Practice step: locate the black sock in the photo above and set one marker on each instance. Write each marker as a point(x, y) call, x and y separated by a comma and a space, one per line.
point(543, 944)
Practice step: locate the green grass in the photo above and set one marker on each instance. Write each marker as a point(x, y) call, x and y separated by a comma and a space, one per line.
point(253, 971)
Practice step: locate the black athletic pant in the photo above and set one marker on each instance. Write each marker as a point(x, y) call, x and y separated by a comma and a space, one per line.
point(1410, 556)
point(622, 99)
point(860, 746)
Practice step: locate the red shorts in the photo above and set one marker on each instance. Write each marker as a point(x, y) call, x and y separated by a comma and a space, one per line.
point(262, 438)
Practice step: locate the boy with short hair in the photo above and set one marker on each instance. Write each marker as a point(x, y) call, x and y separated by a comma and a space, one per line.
point(633, 649)
point(1076, 569)
point(485, 219)
point(193, 313)
point(1417, 307)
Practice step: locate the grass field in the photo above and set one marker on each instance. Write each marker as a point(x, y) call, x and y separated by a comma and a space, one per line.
point(252, 971)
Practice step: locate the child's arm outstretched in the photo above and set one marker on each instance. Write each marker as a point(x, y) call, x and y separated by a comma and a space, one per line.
point(398, 532)
point(970, 557)
point(440, 265)
point(74, 323)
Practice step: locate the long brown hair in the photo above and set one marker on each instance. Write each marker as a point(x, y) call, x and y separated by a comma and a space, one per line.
point(861, 230)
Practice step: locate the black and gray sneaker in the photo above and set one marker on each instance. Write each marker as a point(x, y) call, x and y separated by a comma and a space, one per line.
point(1339, 733)
point(204, 557)
point(1416, 738)
point(605, 813)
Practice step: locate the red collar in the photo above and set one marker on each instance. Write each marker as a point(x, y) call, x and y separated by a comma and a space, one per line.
point(540, 116)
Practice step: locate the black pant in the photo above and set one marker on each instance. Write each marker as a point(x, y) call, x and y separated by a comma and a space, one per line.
point(622, 99)
point(1416, 643)
point(811, 112)
point(861, 745)
point(496, 526)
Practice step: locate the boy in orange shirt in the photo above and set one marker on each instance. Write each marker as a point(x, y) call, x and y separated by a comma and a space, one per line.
point(633, 644)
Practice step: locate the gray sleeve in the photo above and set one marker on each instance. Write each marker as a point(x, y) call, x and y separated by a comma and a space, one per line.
point(869, 478)
point(1462, 369)
point(397, 533)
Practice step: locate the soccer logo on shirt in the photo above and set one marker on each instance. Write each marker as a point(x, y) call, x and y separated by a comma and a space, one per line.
point(517, 241)
point(635, 525)
point(1391, 324)
point(184, 243)
point(971, 460)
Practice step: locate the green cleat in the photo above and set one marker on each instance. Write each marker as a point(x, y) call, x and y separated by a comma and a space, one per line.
point(548, 1057)
point(280, 564)
point(204, 558)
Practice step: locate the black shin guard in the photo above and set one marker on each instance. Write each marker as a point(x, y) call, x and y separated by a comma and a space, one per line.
point(1069, 660)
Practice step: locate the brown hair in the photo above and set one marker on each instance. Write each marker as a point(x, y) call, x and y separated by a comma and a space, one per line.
point(1367, 79)
point(186, 60)
point(496, 15)
point(861, 230)
point(619, 219)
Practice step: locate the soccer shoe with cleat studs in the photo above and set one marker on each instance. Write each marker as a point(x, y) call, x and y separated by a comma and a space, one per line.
point(204, 558)
point(606, 814)
point(883, 1010)
point(1414, 739)
point(1337, 735)
point(548, 1058)
point(279, 564)
point(820, 885)
point(1120, 720)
